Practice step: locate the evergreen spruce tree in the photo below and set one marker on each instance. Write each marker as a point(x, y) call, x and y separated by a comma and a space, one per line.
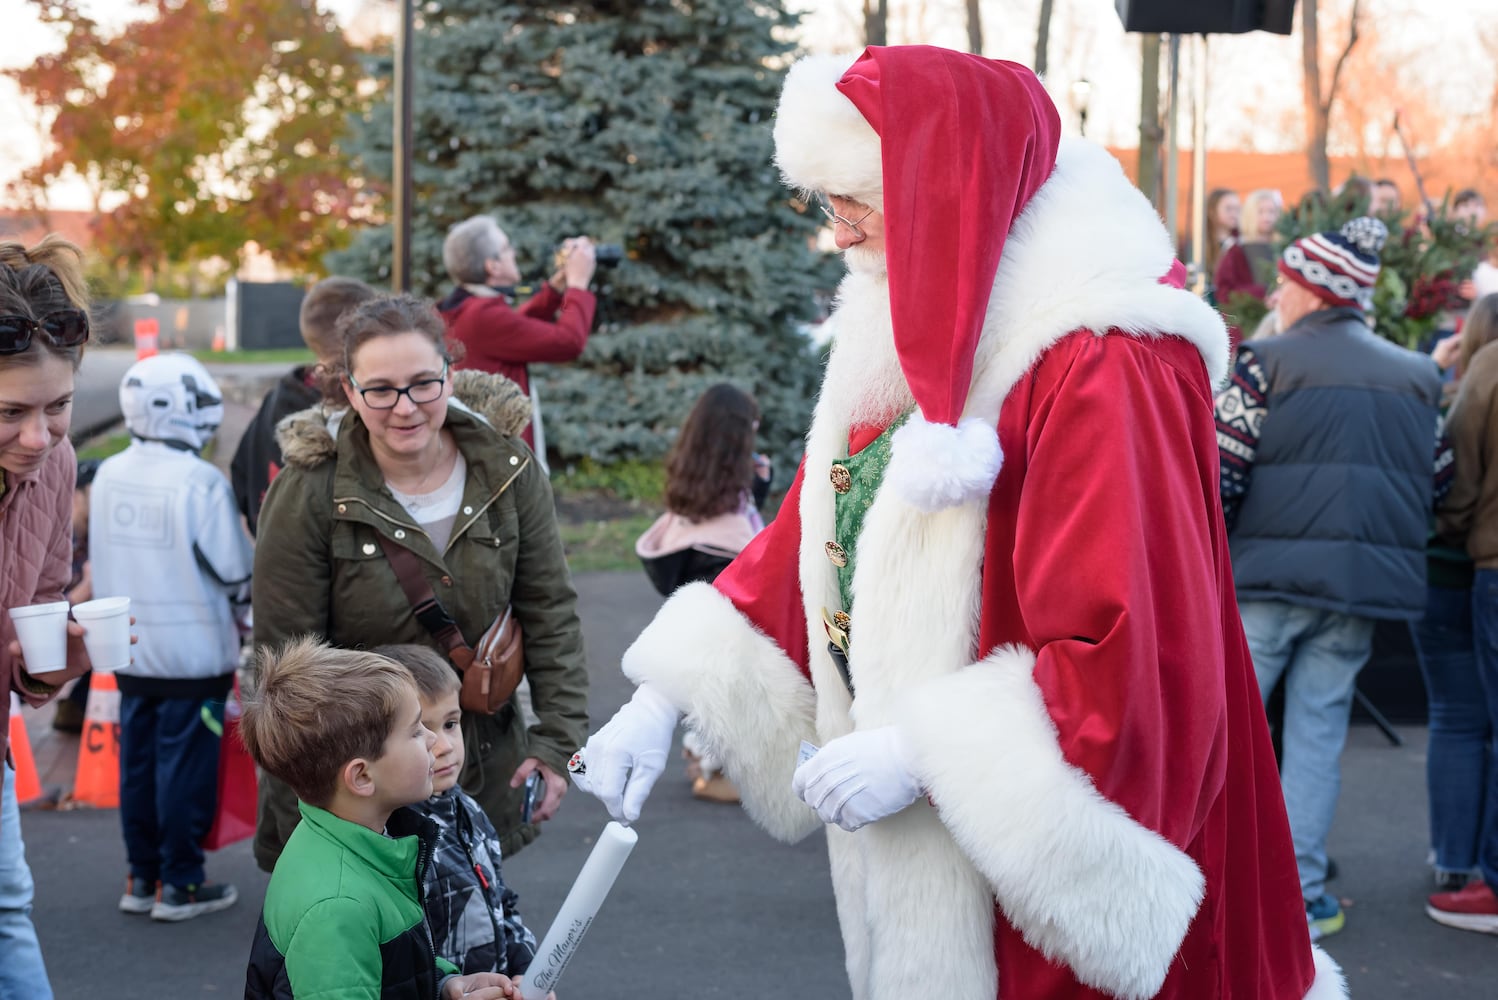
point(645, 123)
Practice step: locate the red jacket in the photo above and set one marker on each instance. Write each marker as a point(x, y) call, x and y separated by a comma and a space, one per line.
point(550, 326)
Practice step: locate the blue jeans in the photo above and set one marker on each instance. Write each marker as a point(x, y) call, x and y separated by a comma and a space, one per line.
point(1458, 768)
point(23, 975)
point(1319, 653)
point(1485, 632)
point(168, 785)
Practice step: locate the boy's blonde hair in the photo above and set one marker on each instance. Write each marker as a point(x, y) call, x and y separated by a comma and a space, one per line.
point(434, 676)
point(317, 707)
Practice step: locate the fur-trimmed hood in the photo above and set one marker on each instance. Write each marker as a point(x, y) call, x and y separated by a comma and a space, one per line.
point(310, 437)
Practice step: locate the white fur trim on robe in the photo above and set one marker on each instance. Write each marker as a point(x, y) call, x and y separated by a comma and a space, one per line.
point(1084, 882)
point(1329, 983)
point(745, 699)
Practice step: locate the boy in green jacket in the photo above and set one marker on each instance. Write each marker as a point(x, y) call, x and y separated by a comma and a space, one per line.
point(343, 915)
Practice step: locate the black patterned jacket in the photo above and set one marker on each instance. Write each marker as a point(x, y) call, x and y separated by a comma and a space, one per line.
point(468, 906)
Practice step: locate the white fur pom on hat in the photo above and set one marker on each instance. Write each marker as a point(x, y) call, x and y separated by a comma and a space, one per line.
point(936, 466)
point(822, 141)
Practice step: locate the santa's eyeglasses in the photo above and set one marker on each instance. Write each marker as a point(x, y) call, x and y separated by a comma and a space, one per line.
point(65, 328)
point(826, 206)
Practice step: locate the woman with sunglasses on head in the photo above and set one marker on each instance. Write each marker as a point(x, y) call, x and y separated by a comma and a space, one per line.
point(406, 460)
point(43, 326)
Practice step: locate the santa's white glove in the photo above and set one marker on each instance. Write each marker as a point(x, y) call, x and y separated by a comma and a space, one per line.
point(858, 779)
point(623, 759)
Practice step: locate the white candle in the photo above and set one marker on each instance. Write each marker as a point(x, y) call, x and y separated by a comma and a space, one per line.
point(578, 910)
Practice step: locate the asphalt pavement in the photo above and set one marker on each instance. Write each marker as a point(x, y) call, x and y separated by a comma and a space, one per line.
point(96, 399)
point(709, 906)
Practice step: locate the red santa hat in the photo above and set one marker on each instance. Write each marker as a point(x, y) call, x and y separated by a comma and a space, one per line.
point(950, 147)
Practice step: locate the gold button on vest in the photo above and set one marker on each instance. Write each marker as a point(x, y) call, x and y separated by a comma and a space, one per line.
point(836, 553)
point(842, 479)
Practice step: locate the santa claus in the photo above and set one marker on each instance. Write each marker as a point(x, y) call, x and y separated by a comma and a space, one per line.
point(997, 597)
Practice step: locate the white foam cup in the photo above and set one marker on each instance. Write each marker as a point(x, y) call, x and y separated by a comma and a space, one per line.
point(43, 632)
point(106, 636)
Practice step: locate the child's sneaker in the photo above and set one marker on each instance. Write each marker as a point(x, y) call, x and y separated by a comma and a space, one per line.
point(139, 897)
point(1325, 916)
point(1473, 908)
point(177, 903)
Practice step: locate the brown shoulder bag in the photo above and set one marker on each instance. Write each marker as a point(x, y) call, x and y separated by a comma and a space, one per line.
point(492, 672)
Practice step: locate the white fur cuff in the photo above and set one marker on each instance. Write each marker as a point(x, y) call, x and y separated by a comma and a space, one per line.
point(1084, 883)
point(936, 466)
point(746, 701)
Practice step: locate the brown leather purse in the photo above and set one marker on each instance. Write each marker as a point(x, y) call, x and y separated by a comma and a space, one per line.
point(493, 671)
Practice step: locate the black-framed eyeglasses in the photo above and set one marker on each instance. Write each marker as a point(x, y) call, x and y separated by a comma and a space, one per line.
point(826, 206)
point(65, 328)
point(384, 397)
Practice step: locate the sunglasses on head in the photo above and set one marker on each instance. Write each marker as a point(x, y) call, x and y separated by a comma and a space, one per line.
point(65, 328)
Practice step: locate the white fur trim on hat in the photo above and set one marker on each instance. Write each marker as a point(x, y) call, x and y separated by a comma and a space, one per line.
point(822, 141)
point(936, 466)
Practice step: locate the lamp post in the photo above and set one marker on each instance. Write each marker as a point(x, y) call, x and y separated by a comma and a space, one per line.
point(1081, 89)
point(400, 149)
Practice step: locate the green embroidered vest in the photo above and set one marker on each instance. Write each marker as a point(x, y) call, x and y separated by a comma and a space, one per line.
point(855, 483)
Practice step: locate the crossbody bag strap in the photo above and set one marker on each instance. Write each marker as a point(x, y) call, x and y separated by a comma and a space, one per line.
point(430, 614)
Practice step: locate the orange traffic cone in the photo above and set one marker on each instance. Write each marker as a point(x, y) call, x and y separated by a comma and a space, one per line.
point(28, 782)
point(147, 338)
point(97, 782)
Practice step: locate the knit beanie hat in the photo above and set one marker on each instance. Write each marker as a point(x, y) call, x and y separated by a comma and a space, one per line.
point(1340, 267)
point(950, 147)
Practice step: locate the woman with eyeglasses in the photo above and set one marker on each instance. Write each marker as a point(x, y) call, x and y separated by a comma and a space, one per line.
point(43, 326)
point(405, 455)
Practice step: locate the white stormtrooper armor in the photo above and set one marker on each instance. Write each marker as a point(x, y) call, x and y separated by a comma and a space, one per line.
point(164, 527)
point(172, 399)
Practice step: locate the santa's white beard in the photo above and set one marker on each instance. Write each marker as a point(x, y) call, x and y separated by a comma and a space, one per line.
point(864, 380)
point(864, 261)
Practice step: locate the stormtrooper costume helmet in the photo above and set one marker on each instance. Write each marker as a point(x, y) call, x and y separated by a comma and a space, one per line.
point(171, 398)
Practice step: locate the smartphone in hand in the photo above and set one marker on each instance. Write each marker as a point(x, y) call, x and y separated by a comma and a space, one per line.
point(535, 794)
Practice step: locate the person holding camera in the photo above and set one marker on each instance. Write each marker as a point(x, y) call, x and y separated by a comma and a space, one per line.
point(553, 325)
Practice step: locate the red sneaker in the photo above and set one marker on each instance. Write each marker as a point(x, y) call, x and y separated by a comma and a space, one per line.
point(1473, 908)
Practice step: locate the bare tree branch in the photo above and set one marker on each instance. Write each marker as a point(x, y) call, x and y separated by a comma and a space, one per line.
point(1352, 40)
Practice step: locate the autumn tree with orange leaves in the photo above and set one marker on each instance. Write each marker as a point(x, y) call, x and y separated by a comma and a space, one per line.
point(216, 123)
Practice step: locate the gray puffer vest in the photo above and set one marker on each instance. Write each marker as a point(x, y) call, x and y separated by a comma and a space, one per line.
point(1338, 509)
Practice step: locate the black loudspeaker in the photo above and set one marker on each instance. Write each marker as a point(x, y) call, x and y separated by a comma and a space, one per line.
point(1206, 17)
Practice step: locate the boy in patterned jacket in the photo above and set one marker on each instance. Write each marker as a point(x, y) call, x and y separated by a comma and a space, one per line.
point(343, 914)
point(474, 923)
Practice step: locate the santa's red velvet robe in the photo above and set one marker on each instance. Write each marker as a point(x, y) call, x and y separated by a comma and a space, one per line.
point(1064, 658)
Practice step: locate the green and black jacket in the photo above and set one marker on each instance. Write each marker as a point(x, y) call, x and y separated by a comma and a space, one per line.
point(343, 918)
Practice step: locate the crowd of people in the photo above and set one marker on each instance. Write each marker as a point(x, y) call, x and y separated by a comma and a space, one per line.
point(1319, 409)
point(417, 704)
point(379, 498)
